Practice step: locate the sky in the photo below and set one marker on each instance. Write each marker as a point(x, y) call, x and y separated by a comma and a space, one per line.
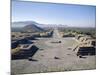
point(52, 13)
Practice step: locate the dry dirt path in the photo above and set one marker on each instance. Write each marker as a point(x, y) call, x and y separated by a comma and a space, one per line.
point(53, 57)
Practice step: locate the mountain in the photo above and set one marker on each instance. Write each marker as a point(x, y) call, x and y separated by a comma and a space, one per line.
point(23, 23)
point(33, 26)
point(30, 26)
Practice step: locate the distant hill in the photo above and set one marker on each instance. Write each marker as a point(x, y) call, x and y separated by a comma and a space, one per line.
point(16, 29)
point(32, 26)
point(23, 23)
point(29, 26)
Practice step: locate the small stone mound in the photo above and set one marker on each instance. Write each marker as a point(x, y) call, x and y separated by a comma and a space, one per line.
point(56, 58)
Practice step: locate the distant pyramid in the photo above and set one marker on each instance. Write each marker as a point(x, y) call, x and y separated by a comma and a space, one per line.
point(27, 26)
point(32, 28)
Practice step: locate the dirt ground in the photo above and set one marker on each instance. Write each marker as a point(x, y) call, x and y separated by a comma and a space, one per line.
point(54, 57)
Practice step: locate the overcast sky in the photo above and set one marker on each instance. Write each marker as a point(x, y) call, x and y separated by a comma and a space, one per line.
point(48, 13)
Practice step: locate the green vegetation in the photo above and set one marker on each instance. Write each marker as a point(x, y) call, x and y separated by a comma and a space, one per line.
point(72, 31)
